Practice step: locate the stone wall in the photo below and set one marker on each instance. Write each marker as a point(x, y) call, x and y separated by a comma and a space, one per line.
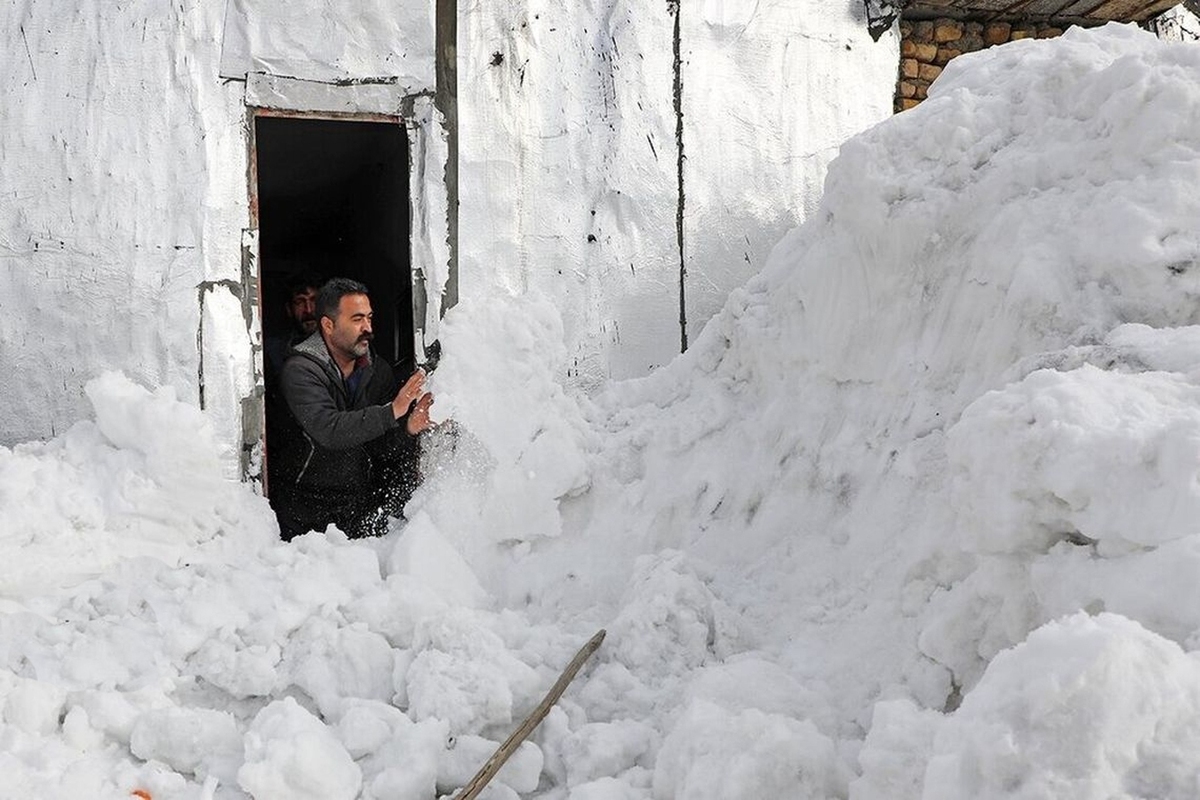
point(926, 46)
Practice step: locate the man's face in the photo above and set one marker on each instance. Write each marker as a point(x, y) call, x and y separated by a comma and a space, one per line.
point(350, 332)
point(302, 309)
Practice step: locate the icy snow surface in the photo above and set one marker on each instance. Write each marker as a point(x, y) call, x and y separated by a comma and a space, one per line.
point(914, 518)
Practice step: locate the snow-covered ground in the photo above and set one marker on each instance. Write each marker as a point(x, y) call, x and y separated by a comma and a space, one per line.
point(915, 517)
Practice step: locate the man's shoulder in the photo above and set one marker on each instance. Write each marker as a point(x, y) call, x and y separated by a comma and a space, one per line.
point(313, 347)
point(308, 357)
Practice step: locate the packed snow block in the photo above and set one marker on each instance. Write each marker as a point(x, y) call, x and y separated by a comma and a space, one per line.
point(1070, 578)
point(893, 757)
point(748, 681)
point(468, 695)
point(1086, 707)
point(176, 446)
point(602, 749)
point(423, 555)
point(670, 622)
point(364, 726)
point(714, 754)
point(144, 479)
point(1136, 346)
point(112, 712)
point(465, 755)
point(292, 755)
point(78, 731)
point(1087, 455)
point(394, 609)
point(611, 692)
point(463, 673)
point(332, 663)
point(320, 573)
point(242, 671)
point(190, 740)
point(404, 766)
point(34, 706)
point(606, 789)
point(991, 609)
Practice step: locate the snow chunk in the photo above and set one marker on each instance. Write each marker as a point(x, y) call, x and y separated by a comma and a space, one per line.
point(712, 754)
point(1060, 454)
point(424, 556)
point(670, 621)
point(144, 479)
point(464, 674)
point(34, 706)
point(332, 663)
point(605, 749)
point(523, 439)
point(465, 755)
point(196, 740)
point(1086, 707)
point(291, 755)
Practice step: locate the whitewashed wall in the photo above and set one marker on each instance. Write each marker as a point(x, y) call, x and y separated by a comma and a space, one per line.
point(120, 196)
point(770, 91)
point(568, 130)
point(123, 162)
point(567, 170)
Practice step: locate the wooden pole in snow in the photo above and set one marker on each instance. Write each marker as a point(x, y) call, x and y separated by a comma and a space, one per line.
point(493, 765)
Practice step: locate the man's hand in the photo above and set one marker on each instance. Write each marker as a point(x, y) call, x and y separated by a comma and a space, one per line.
point(418, 419)
point(410, 391)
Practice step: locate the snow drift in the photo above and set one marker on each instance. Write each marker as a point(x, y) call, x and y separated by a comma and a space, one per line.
point(912, 519)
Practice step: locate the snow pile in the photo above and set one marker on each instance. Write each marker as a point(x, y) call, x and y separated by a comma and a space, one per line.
point(912, 519)
point(957, 405)
point(1086, 707)
point(143, 479)
point(520, 442)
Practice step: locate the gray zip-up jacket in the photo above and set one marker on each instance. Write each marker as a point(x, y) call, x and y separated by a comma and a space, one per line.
point(337, 426)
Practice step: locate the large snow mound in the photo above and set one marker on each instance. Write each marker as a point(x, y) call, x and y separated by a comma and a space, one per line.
point(912, 518)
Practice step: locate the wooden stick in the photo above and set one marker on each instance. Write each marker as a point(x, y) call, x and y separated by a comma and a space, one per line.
point(493, 765)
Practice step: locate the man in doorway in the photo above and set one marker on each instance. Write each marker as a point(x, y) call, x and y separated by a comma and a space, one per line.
point(301, 312)
point(352, 420)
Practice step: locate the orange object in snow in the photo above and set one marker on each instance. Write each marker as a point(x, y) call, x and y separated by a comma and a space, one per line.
point(142, 793)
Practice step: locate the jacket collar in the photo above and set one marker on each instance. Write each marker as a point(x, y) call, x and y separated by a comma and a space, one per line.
point(314, 347)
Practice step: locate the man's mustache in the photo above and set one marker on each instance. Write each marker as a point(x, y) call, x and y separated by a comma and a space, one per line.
point(366, 337)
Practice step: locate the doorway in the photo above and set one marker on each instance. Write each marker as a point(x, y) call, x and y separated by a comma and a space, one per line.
point(331, 199)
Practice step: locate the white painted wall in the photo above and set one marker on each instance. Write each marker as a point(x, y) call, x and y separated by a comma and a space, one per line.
point(573, 133)
point(770, 91)
point(570, 136)
point(123, 164)
point(121, 193)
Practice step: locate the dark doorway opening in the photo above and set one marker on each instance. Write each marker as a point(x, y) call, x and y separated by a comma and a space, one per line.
point(332, 200)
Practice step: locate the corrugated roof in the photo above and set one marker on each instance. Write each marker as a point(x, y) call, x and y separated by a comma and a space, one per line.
point(1084, 12)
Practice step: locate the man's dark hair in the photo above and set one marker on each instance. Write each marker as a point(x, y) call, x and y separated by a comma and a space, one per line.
point(298, 282)
point(331, 294)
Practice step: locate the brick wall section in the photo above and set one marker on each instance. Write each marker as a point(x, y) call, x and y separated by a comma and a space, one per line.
point(927, 45)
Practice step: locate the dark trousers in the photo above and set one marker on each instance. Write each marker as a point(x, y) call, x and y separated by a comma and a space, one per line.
point(357, 512)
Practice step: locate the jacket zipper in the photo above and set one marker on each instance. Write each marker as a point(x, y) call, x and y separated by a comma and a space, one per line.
point(307, 459)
